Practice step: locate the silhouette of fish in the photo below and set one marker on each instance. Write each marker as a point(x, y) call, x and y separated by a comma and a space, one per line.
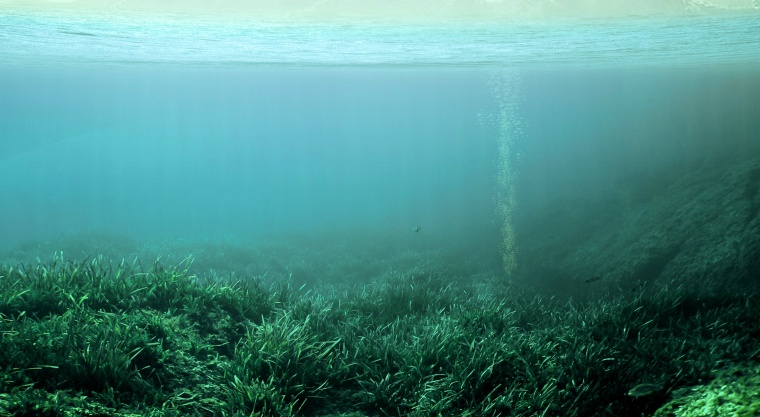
point(592, 279)
point(416, 229)
point(645, 388)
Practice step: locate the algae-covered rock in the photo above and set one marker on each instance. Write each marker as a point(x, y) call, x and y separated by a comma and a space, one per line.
point(735, 392)
point(697, 223)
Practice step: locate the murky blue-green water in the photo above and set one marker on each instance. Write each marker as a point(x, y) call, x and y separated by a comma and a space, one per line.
point(175, 127)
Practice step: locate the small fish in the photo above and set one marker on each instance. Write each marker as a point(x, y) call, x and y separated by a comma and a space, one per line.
point(644, 389)
point(416, 229)
point(592, 279)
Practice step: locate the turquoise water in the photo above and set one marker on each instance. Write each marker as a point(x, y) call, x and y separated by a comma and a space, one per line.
point(182, 127)
point(33, 38)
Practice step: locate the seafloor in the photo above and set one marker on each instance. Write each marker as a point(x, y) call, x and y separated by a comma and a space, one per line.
point(355, 326)
point(109, 337)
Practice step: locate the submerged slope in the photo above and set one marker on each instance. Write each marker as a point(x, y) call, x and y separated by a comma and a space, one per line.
point(694, 223)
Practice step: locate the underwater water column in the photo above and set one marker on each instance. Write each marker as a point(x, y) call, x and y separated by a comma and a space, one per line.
point(509, 129)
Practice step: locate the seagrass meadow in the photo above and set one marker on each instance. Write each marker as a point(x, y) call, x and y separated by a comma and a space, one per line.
point(103, 336)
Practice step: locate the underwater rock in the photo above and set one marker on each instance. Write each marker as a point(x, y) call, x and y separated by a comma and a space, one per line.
point(701, 224)
point(734, 392)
